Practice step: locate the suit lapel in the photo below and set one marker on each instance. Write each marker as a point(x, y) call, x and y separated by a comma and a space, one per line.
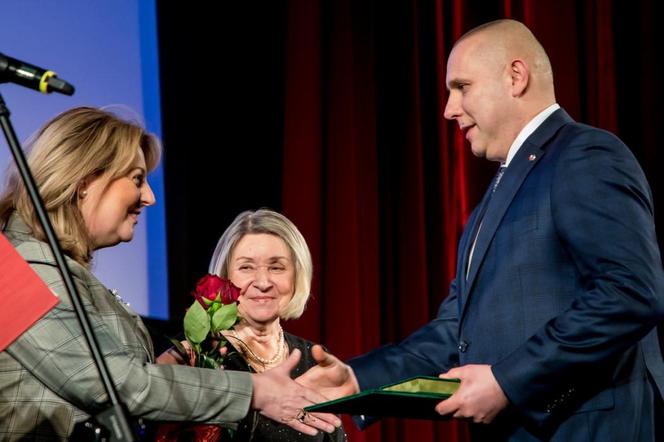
point(523, 162)
point(472, 227)
point(502, 197)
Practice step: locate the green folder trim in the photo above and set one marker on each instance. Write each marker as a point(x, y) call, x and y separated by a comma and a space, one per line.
point(410, 398)
point(425, 385)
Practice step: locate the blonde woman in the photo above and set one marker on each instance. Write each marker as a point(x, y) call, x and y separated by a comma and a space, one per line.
point(266, 256)
point(91, 167)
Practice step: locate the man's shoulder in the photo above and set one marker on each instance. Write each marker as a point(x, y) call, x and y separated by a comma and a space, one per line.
point(573, 141)
point(575, 134)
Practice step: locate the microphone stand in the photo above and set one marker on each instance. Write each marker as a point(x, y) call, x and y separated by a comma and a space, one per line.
point(114, 419)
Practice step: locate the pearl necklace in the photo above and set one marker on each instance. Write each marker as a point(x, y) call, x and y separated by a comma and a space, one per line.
point(281, 348)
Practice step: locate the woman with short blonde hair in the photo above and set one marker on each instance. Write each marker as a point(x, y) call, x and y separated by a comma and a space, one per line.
point(273, 223)
point(267, 258)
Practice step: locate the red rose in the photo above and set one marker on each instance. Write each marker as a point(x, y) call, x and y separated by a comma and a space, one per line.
point(210, 285)
point(229, 292)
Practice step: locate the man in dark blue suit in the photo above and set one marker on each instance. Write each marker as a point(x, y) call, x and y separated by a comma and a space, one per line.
point(550, 320)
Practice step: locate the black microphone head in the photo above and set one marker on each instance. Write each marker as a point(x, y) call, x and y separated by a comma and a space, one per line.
point(57, 85)
point(33, 77)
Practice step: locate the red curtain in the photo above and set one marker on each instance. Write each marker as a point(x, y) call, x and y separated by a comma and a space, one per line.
point(378, 182)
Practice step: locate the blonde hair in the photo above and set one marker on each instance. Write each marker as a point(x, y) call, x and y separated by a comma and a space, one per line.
point(77, 144)
point(273, 223)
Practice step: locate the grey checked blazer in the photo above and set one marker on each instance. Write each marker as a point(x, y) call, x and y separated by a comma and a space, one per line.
point(48, 381)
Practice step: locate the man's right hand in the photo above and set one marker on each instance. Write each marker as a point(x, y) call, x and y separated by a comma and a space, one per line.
point(331, 377)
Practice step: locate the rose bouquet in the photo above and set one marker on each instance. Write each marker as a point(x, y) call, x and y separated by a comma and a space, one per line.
point(214, 310)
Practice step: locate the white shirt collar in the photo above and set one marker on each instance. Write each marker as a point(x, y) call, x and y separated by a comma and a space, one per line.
point(528, 130)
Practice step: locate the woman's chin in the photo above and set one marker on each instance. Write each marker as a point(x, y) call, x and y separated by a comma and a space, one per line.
point(260, 319)
point(106, 243)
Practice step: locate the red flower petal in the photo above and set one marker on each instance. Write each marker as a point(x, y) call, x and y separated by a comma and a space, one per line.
point(208, 286)
point(229, 292)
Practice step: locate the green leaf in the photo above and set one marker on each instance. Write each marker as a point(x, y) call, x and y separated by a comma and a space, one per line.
point(196, 323)
point(197, 352)
point(209, 362)
point(224, 318)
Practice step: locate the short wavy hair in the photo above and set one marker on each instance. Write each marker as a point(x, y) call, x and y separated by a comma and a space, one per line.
point(77, 144)
point(272, 223)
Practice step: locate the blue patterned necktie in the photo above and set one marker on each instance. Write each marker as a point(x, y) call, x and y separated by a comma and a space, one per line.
point(497, 178)
point(478, 225)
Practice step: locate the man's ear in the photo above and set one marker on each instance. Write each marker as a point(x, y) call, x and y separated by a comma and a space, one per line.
point(520, 74)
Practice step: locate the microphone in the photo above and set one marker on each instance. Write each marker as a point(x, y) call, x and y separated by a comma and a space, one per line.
point(33, 77)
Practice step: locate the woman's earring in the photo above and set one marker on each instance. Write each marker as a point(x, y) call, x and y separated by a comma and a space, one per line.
point(83, 194)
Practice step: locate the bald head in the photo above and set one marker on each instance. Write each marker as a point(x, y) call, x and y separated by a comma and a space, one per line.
point(499, 78)
point(502, 42)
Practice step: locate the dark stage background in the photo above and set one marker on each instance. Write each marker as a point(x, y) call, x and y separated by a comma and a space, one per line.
point(331, 112)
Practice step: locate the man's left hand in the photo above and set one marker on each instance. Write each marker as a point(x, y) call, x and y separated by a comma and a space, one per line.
point(479, 397)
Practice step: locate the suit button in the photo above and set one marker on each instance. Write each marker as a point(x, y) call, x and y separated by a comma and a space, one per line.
point(463, 346)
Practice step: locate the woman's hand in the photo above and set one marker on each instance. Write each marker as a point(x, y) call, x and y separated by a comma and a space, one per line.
point(281, 399)
point(174, 357)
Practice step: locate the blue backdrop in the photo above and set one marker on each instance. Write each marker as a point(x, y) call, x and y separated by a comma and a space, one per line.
point(108, 50)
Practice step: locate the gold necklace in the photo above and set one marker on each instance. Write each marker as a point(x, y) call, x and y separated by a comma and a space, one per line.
point(281, 347)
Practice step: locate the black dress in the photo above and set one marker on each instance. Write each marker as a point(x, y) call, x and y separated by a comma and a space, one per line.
point(255, 427)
